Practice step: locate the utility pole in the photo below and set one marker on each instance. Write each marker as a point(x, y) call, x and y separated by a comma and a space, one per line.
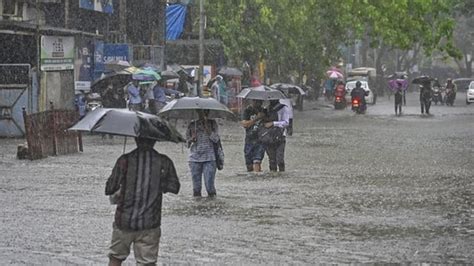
point(38, 58)
point(66, 14)
point(163, 34)
point(201, 47)
point(123, 21)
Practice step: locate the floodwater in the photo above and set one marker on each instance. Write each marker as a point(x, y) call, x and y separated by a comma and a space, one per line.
point(358, 189)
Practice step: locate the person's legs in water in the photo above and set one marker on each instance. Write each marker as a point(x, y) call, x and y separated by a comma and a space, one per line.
point(248, 156)
point(290, 128)
point(257, 157)
point(280, 155)
point(271, 152)
point(196, 173)
point(209, 171)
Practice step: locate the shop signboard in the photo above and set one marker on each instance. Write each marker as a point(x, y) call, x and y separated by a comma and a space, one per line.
point(108, 52)
point(57, 53)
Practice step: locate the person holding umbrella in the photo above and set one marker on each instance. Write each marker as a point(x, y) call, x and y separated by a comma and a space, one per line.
point(253, 150)
point(201, 136)
point(138, 180)
point(134, 97)
point(137, 183)
point(398, 98)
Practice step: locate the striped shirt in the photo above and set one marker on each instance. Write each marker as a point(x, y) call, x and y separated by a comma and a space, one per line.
point(141, 177)
point(202, 148)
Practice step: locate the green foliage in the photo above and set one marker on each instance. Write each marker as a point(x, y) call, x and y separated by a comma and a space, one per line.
point(307, 34)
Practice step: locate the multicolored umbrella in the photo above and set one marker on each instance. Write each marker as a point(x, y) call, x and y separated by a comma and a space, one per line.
point(334, 73)
point(146, 75)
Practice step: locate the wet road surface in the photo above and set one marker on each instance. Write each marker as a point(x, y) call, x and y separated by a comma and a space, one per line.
point(358, 188)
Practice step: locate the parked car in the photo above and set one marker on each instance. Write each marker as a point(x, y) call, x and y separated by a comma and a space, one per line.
point(369, 99)
point(462, 83)
point(470, 93)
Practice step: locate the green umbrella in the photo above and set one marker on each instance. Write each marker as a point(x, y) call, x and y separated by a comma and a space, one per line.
point(146, 75)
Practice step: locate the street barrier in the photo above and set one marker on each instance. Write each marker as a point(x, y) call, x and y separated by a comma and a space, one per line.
point(46, 133)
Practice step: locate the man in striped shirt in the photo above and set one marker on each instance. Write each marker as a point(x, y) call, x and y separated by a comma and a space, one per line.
point(138, 182)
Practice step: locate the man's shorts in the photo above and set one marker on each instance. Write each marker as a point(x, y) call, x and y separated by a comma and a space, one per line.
point(254, 153)
point(145, 244)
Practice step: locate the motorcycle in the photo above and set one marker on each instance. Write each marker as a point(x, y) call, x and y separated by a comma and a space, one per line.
point(339, 102)
point(339, 97)
point(358, 105)
point(94, 104)
point(436, 95)
point(94, 101)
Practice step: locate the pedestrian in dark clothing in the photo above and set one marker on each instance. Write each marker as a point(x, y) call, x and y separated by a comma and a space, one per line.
point(425, 97)
point(253, 150)
point(136, 185)
point(80, 102)
point(398, 99)
point(277, 116)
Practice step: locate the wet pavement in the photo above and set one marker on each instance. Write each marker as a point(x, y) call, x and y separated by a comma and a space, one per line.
point(358, 188)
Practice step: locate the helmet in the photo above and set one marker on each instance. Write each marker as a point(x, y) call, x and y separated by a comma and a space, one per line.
point(358, 84)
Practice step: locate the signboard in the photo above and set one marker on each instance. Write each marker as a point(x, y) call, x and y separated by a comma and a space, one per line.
point(106, 52)
point(57, 53)
point(82, 85)
point(104, 6)
point(83, 64)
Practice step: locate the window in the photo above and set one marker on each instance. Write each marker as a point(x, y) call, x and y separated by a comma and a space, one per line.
point(9, 7)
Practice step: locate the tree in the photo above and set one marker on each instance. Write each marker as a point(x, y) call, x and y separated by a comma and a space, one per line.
point(306, 35)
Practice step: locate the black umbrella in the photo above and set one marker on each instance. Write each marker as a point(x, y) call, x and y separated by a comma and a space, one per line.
point(230, 71)
point(119, 78)
point(169, 74)
point(288, 88)
point(123, 122)
point(422, 80)
point(117, 65)
point(187, 107)
point(261, 93)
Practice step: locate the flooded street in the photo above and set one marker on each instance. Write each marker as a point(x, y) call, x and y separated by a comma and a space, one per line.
point(358, 188)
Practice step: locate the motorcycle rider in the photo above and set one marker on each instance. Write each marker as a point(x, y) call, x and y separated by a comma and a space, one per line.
point(340, 89)
point(359, 92)
point(450, 89)
point(437, 92)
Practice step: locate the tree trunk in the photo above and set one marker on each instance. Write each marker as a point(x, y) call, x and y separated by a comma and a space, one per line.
point(378, 66)
point(468, 67)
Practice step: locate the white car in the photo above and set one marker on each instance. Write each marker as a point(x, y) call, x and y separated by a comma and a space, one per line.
point(470, 93)
point(350, 85)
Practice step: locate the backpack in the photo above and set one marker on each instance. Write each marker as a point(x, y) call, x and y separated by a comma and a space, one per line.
point(274, 134)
